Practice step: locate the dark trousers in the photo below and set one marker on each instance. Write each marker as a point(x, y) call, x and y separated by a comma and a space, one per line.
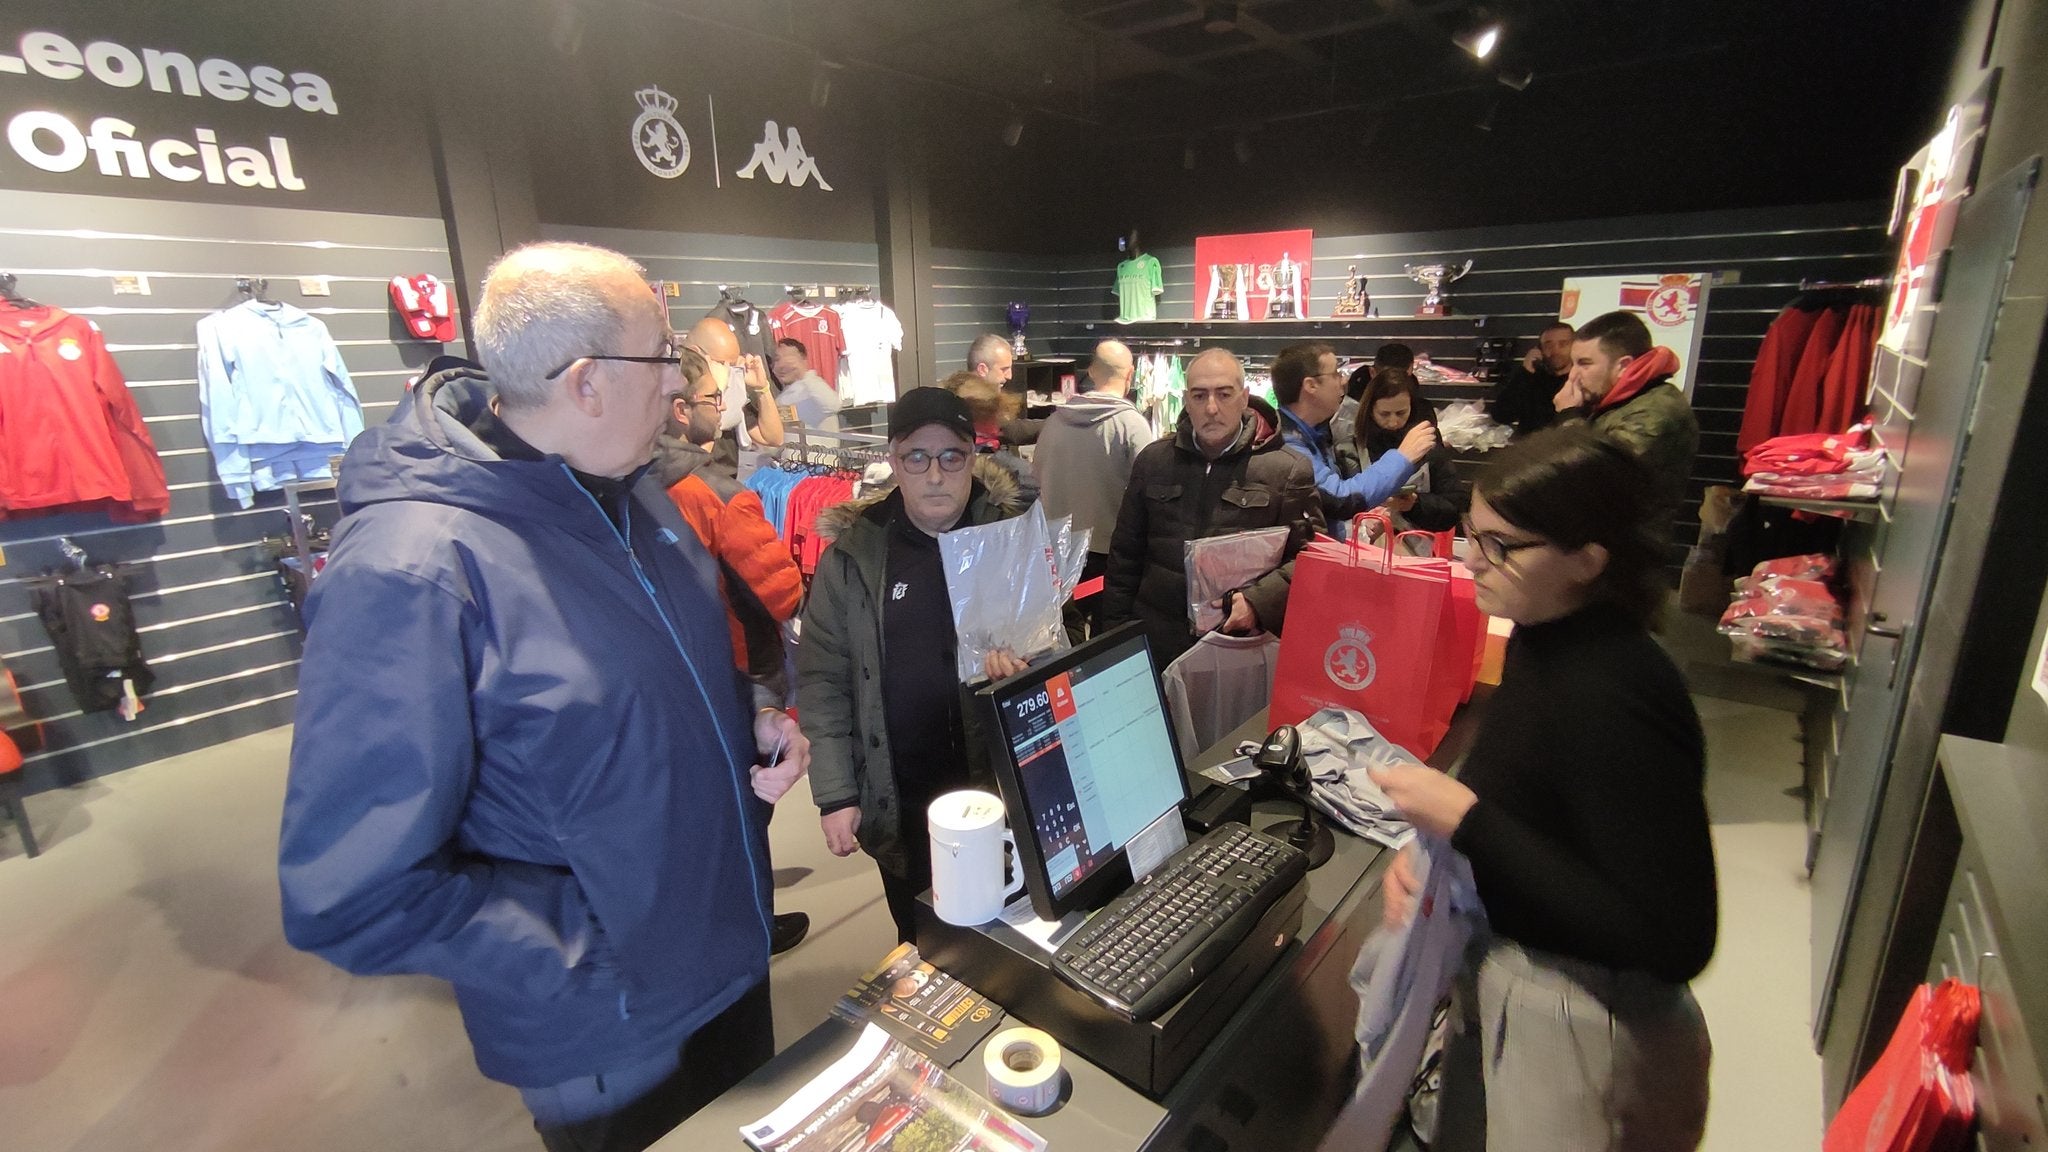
point(902, 891)
point(715, 1057)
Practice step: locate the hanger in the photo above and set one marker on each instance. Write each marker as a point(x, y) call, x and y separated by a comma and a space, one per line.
point(255, 288)
point(11, 294)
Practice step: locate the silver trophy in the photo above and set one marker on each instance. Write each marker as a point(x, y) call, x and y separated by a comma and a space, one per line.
point(1434, 277)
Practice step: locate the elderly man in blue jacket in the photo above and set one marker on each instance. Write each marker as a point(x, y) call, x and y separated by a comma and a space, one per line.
point(524, 760)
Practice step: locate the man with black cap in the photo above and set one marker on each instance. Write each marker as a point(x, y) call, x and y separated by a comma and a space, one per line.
point(877, 690)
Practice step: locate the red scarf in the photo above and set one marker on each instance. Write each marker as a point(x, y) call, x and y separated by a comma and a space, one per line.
point(1657, 362)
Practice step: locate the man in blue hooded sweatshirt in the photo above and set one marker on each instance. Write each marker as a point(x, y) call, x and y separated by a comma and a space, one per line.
point(524, 761)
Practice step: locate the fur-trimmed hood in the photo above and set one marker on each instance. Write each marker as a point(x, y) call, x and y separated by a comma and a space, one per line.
point(993, 486)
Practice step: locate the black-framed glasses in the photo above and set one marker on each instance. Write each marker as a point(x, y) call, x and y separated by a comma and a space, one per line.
point(917, 461)
point(1495, 547)
point(669, 355)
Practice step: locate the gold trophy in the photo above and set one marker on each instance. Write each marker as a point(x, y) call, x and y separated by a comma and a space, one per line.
point(1352, 302)
point(1434, 277)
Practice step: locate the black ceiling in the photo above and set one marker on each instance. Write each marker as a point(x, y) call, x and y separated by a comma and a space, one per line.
point(1153, 68)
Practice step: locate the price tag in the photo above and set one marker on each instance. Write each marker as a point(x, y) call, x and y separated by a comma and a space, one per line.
point(131, 284)
point(315, 286)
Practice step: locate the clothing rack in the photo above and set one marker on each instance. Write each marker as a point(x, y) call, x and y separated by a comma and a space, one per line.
point(1806, 285)
point(854, 452)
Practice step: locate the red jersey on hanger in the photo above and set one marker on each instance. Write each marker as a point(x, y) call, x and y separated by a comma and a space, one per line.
point(817, 328)
point(70, 433)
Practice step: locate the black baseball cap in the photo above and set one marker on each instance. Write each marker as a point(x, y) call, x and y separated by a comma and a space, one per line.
point(921, 406)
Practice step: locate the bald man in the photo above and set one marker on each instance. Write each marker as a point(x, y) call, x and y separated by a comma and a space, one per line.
point(1225, 469)
point(1086, 449)
point(748, 413)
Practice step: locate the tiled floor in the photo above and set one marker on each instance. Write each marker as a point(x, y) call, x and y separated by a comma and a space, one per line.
point(148, 1000)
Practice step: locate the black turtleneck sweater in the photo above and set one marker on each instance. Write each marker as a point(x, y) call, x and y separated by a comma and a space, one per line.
point(1590, 836)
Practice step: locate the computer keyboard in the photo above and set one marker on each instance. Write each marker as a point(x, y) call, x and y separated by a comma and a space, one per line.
point(1149, 946)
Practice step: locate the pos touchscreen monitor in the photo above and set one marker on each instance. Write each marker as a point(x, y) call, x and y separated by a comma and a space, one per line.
point(1085, 760)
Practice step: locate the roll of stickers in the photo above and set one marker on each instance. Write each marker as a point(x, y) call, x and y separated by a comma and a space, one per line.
point(1024, 1073)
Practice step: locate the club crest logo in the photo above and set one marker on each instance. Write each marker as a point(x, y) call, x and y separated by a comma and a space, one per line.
point(69, 349)
point(1673, 301)
point(101, 613)
point(1349, 662)
point(783, 162)
point(658, 137)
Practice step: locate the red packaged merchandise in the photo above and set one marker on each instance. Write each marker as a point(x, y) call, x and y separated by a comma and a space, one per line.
point(1918, 1097)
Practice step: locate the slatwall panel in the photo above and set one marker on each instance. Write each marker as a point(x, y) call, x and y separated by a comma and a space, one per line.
point(972, 292)
point(1513, 291)
point(215, 624)
point(699, 263)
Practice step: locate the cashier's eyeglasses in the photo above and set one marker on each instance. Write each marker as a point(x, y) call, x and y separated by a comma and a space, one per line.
point(917, 461)
point(1495, 547)
point(667, 357)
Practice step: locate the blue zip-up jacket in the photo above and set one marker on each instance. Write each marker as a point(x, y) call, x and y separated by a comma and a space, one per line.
point(1344, 496)
point(522, 755)
point(275, 400)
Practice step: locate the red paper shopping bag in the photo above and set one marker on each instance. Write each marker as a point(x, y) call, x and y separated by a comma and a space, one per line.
point(1362, 633)
point(1917, 1097)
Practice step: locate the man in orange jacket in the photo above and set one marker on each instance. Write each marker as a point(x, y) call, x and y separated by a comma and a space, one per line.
point(757, 577)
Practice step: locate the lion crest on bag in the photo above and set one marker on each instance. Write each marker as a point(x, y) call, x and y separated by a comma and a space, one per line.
point(1349, 662)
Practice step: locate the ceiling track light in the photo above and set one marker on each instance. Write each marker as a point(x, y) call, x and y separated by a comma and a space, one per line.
point(1516, 78)
point(1013, 132)
point(1480, 35)
point(1485, 123)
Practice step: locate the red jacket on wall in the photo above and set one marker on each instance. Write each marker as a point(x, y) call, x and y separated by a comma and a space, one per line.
point(1812, 369)
point(70, 433)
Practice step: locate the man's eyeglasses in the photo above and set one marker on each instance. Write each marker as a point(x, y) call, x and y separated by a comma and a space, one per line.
point(917, 461)
point(1495, 547)
point(669, 355)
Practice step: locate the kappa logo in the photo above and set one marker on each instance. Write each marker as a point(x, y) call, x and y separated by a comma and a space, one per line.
point(783, 162)
point(1349, 662)
point(658, 137)
point(897, 592)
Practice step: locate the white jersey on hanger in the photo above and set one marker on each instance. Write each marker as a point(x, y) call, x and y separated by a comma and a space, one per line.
point(872, 332)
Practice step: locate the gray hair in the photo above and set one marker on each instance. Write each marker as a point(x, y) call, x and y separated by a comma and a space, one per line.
point(545, 305)
point(1220, 358)
point(983, 350)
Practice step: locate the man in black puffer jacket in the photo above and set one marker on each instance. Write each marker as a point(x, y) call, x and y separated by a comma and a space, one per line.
point(1224, 470)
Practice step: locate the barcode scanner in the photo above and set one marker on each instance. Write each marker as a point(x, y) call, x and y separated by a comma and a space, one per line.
point(1280, 759)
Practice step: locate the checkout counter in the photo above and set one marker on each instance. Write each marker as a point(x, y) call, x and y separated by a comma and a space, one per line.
point(1273, 1079)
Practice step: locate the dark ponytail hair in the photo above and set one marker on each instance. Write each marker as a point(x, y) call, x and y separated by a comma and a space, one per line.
point(1574, 487)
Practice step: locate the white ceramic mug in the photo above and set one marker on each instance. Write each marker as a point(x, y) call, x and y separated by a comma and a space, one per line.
point(968, 842)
